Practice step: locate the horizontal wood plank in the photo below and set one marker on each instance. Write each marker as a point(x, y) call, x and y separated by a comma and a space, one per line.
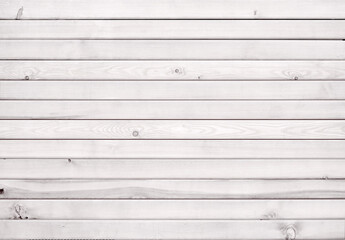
point(172, 129)
point(292, 109)
point(171, 209)
point(172, 49)
point(172, 189)
point(172, 70)
point(122, 90)
point(172, 9)
point(172, 149)
point(172, 168)
point(172, 229)
point(179, 29)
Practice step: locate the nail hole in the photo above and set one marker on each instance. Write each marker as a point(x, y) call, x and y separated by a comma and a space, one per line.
point(69, 160)
point(27, 78)
point(1, 190)
point(295, 78)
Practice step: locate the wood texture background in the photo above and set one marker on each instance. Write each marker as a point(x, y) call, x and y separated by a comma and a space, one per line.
point(172, 119)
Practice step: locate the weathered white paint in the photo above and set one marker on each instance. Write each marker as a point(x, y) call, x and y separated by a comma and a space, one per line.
point(171, 209)
point(237, 109)
point(172, 129)
point(173, 189)
point(174, 90)
point(172, 168)
point(171, 9)
point(172, 149)
point(172, 70)
point(180, 29)
point(172, 50)
point(223, 121)
point(172, 229)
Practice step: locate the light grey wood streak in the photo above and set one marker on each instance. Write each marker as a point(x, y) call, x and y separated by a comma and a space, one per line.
point(171, 209)
point(172, 149)
point(172, 189)
point(172, 109)
point(172, 9)
point(180, 29)
point(181, 168)
point(172, 70)
point(172, 129)
point(201, 90)
point(172, 50)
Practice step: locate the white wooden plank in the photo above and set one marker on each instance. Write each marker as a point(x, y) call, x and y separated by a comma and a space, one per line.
point(172, 149)
point(172, 49)
point(172, 168)
point(178, 29)
point(172, 189)
point(116, 90)
point(171, 9)
point(172, 209)
point(172, 229)
point(172, 129)
point(164, 70)
point(292, 109)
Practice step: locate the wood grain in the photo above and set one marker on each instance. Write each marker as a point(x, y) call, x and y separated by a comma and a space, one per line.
point(172, 149)
point(172, 109)
point(172, 70)
point(180, 29)
point(172, 168)
point(172, 189)
point(172, 9)
point(202, 90)
point(172, 129)
point(172, 49)
point(171, 209)
point(172, 229)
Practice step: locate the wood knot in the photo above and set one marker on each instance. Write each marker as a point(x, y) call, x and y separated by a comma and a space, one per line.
point(20, 212)
point(178, 71)
point(135, 133)
point(20, 13)
point(290, 233)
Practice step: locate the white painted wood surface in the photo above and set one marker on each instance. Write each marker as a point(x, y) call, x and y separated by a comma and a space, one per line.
point(171, 209)
point(181, 168)
point(174, 90)
point(178, 29)
point(172, 149)
point(292, 109)
point(172, 50)
point(172, 229)
point(172, 9)
point(172, 119)
point(172, 70)
point(173, 189)
point(172, 129)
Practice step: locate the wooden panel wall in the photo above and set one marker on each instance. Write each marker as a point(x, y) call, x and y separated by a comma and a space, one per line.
point(172, 119)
